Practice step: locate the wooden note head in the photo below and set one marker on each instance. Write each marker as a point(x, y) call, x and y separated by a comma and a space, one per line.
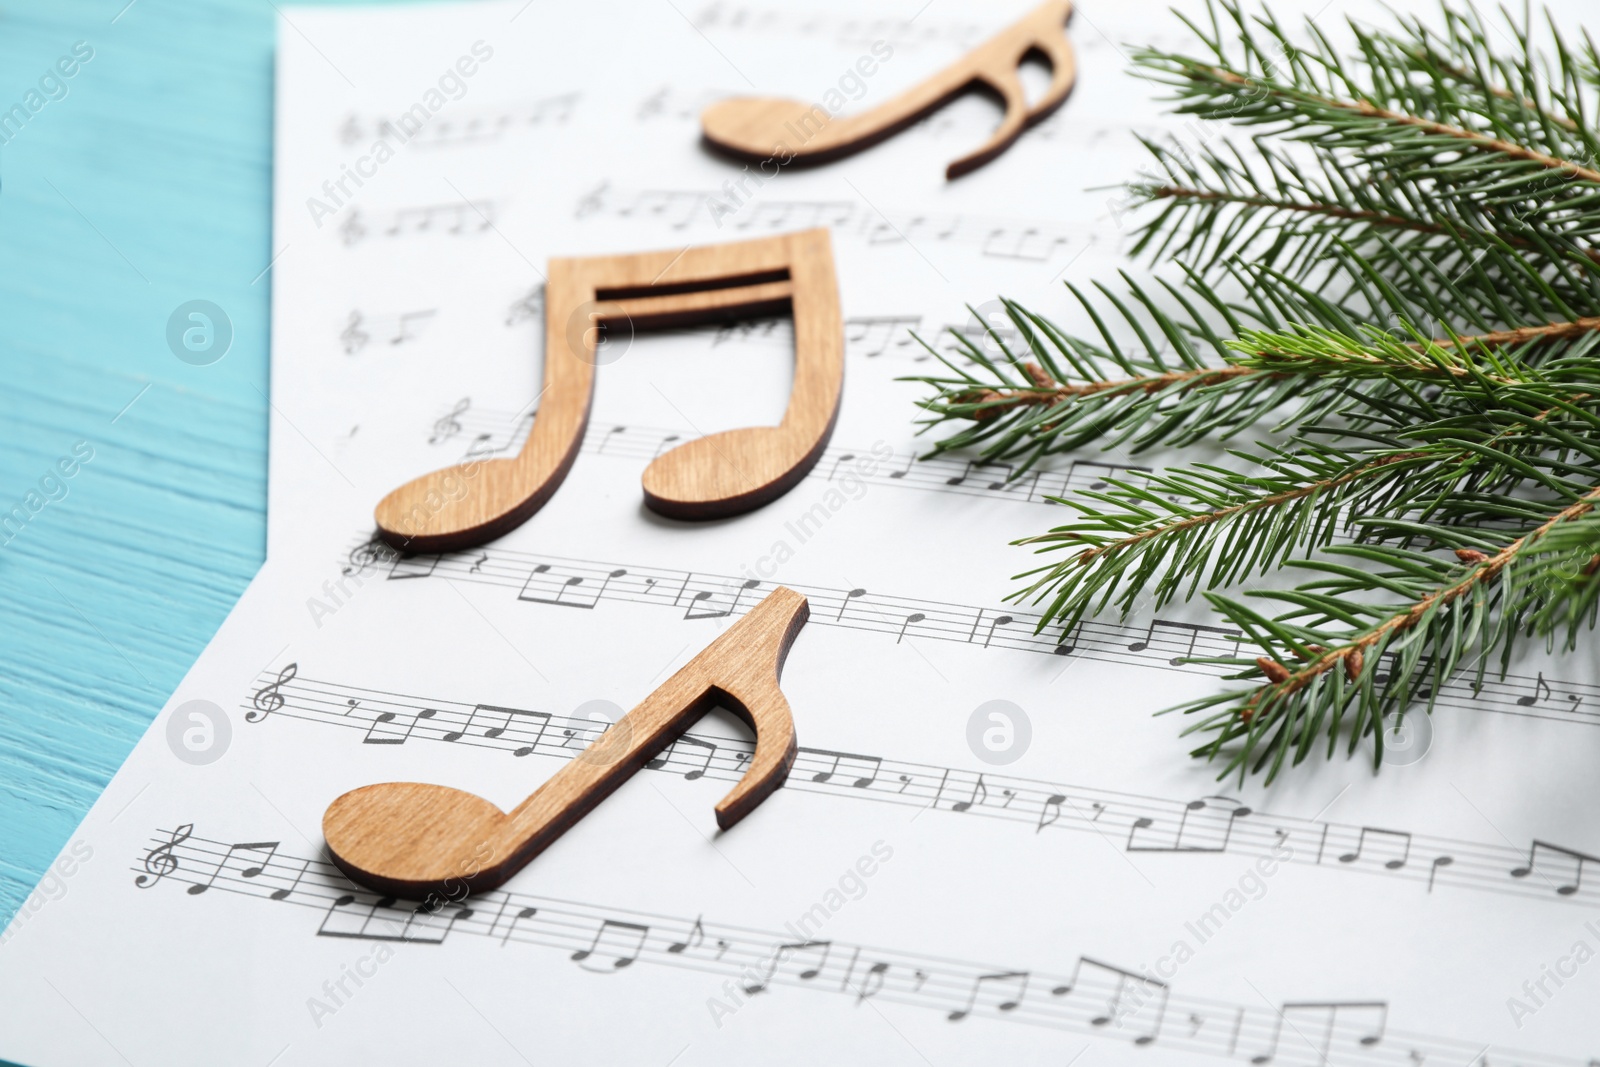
point(727, 473)
point(407, 839)
point(457, 507)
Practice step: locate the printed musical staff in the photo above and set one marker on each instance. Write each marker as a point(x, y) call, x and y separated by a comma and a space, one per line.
point(1163, 644)
point(498, 433)
point(457, 218)
point(1211, 825)
point(1096, 999)
point(690, 210)
point(393, 330)
point(455, 128)
point(160, 861)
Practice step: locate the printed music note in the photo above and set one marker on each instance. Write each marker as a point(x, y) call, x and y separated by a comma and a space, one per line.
point(617, 941)
point(999, 620)
point(861, 765)
point(409, 566)
point(383, 731)
point(1050, 810)
point(697, 936)
point(845, 601)
point(1563, 863)
point(1324, 1025)
point(269, 698)
point(571, 592)
point(694, 773)
point(708, 597)
point(980, 793)
point(1006, 990)
point(269, 849)
point(1534, 697)
point(1193, 632)
point(814, 958)
point(1388, 842)
point(1205, 826)
point(523, 913)
point(872, 981)
point(159, 861)
point(1433, 868)
point(286, 893)
point(530, 306)
point(1132, 1001)
point(720, 475)
point(408, 325)
point(910, 620)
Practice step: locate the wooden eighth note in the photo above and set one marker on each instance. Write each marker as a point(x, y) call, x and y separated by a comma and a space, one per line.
point(723, 474)
point(792, 131)
point(409, 839)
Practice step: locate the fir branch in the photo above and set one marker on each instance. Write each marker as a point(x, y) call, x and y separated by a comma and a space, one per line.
point(1427, 180)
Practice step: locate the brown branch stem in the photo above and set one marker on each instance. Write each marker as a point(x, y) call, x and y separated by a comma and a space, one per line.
point(1486, 570)
point(1483, 141)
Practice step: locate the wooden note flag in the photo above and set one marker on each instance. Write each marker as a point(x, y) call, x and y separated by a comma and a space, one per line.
point(589, 301)
point(792, 131)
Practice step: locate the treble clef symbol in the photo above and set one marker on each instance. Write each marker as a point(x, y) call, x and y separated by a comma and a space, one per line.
point(160, 861)
point(364, 556)
point(448, 425)
point(268, 699)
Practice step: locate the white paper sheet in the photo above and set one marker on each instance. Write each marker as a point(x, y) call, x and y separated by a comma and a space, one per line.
point(903, 899)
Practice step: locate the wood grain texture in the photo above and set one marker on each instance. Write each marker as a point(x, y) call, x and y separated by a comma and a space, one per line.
point(793, 131)
point(715, 476)
point(411, 839)
point(147, 185)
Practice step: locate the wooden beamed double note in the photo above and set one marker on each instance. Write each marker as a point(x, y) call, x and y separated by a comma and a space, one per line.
point(716, 476)
point(792, 131)
point(410, 839)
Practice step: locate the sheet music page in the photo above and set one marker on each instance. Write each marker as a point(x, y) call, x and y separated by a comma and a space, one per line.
point(989, 846)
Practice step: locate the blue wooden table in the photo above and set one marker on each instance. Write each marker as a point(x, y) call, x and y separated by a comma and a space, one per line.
point(138, 183)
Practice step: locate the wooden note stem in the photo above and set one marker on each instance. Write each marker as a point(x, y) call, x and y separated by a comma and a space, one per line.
point(410, 839)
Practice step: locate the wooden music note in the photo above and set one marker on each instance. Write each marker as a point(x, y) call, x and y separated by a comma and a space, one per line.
point(723, 474)
point(409, 839)
point(761, 128)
